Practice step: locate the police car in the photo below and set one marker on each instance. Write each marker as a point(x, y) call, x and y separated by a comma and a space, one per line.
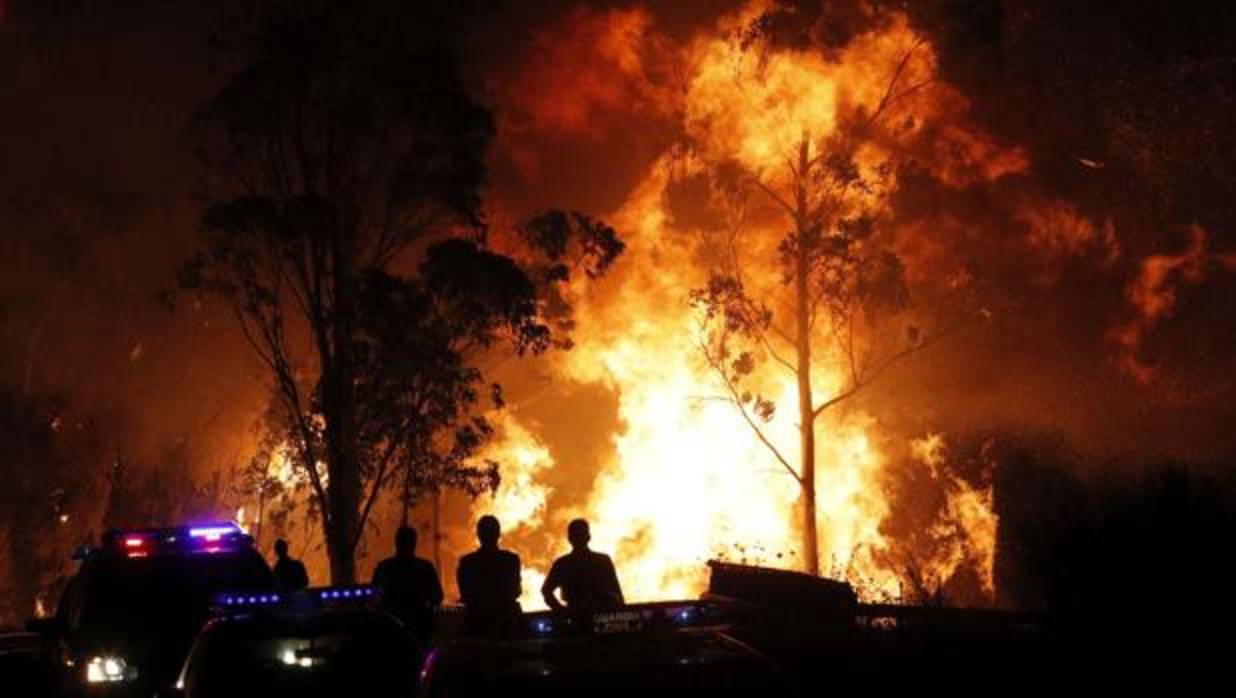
point(333, 641)
point(127, 618)
point(652, 649)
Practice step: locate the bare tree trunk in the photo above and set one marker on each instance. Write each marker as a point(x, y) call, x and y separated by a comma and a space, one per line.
point(437, 529)
point(806, 412)
point(341, 527)
point(345, 494)
point(261, 512)
point(339, 406)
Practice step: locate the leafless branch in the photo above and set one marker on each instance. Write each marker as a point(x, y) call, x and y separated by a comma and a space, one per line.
point(719, 369)
point(772, 194)
point(866, 378)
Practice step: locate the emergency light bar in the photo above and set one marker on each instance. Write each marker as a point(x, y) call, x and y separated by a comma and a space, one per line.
point(314, 599)
point(213, 533)
point(249, 599)
point(355, 592)
point(205, 538)
point(633, 619)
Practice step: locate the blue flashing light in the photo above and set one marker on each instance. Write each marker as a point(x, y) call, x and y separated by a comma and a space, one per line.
point(543, 626)
point(356, 592)
point(251, 600)
point(309, 600)
point(213, 532)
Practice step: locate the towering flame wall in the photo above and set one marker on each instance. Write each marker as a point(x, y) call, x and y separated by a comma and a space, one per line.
point(684, 478)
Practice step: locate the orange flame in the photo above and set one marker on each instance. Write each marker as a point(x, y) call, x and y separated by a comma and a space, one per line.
point(686, 481)
point(967, 527)
point(1152, 297)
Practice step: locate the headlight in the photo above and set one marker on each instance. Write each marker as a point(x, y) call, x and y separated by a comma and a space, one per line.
point(291, 657)
point(109, 669)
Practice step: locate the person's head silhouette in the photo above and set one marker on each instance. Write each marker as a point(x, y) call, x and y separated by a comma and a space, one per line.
point(281, 548)
point(488, 530)
point(578, 534)
point(405, 541)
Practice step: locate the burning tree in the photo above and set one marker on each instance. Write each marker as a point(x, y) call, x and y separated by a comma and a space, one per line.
point(347, 236)
point(837, 281)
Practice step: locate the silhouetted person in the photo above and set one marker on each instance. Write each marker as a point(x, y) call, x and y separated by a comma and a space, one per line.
point(488, 581)
point(410, 587)
point(587, 579)
point(290, 573)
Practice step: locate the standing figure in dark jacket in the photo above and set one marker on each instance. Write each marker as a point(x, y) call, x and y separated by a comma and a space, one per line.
point(410, 587)
point(488, 581)
point(290, 573)
point(587, 579)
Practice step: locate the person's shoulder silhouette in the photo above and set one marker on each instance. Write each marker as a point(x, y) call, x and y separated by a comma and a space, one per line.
point(410, 586)
point(586, 579)
point(489, 580)
point(289, 572)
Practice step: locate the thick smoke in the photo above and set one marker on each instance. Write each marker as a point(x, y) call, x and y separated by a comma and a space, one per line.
point(1118, 155)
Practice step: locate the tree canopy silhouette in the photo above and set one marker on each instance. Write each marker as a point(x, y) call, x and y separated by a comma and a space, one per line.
point(345, 229)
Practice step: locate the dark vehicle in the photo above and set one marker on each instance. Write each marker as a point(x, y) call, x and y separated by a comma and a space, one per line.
point(644, 650)
point(127, 618)
point(27, 660)
point(806, 622)
point(316, 642)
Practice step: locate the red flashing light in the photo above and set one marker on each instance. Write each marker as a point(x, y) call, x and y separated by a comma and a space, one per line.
point(210, 538)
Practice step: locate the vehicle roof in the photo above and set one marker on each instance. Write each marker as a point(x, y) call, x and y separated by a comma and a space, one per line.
point(664, 624)
point(593, 665)
point(103, 565)
point(301, 620)
point(22, 641)
point(114, 594)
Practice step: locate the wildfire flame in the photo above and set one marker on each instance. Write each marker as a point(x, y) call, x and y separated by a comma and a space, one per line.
point(687, 481)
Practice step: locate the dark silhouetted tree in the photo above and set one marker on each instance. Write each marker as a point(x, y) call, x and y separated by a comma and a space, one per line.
point(345, 230)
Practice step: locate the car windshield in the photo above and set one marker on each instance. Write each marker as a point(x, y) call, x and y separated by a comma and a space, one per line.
point(165, 593)
point(353, 654)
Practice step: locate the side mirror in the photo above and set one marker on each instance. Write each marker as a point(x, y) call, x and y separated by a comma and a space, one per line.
point(49, 627)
